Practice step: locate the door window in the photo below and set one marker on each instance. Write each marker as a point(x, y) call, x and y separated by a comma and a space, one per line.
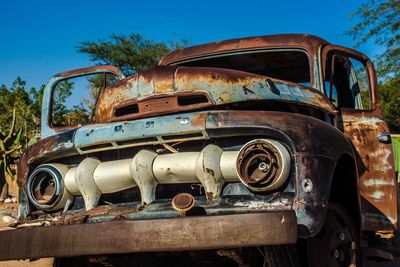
point(346, 82)
point(74, 99)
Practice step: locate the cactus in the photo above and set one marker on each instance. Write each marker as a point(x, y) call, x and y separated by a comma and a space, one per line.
point(10, 148)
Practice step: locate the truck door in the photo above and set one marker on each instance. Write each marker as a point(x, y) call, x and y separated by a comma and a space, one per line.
point(71, 85)
point(351, 84)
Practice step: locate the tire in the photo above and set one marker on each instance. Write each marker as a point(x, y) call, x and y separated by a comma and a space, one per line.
point(338, 242)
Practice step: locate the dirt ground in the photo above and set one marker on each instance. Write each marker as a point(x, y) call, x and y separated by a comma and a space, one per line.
point(7, 211)
point(37, 263)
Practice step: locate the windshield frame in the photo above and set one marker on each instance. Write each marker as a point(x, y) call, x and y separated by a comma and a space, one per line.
point(310, 62)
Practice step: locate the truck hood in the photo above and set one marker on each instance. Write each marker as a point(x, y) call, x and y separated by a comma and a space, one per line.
point(172, 89)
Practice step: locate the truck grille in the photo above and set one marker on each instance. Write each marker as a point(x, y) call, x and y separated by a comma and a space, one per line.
point(163, 191)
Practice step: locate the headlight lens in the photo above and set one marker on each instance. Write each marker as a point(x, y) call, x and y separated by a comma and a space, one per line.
point(45, 187)
point(263, 164)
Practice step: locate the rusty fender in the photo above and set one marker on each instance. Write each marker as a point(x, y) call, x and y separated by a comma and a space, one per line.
point(316, 147)
point(50, 148)
point(127, 236)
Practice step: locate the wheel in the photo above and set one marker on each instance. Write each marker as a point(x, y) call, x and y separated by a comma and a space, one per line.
point(338, 242)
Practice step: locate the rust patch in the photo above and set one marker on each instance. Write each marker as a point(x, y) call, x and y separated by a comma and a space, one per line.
point(82, 71)
point(183, 202)
point(378, 186)
point(159, 105)
point(53, 147)
point(305, 41)
point(152, 94)
point(128, 236)
point(160, 78)
point(224, 82)
point(147, 83)
point(199, 119)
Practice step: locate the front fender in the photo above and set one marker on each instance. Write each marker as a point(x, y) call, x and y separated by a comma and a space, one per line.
point(316, 147)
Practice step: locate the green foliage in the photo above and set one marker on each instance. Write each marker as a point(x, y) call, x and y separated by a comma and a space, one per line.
point(132, 53)
point(396, 149)
point(389, 99)
point(379, 20)
point(361, 77)
point(27, 104)
point(75, 99)
point(60, 111)
point(36, 97)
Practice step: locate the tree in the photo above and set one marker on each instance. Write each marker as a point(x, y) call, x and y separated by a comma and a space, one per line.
point(37, 97)
point(132, 53)
point(96, 83)
point(389, 96)
point(62, 92)
point(379, 20)
point(26, 106)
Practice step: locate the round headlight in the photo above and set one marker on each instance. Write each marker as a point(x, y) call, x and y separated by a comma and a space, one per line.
point(263, 164)
point(45, 187)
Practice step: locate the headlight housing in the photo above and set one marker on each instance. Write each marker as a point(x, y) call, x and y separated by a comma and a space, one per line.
point(263, 165)
point(45, 187)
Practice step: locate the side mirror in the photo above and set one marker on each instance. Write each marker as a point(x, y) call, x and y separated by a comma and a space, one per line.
point(69, 98)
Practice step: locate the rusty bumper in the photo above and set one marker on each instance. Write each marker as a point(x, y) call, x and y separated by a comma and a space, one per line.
point(127, 236)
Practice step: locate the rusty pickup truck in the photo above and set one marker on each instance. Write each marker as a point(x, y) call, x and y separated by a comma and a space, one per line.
point(262, 150)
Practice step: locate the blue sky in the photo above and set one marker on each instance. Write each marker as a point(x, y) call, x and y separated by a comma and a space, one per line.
point(39, 38)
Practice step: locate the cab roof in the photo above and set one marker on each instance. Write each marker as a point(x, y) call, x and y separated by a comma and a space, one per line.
point(308, 42)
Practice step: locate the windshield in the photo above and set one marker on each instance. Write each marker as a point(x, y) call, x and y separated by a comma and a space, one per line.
point(289, 65)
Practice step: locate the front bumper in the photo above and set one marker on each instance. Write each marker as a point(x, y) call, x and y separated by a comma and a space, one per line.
point(171, 234)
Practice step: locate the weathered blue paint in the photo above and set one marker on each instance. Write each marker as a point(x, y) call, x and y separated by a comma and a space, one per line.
point(159, 127)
